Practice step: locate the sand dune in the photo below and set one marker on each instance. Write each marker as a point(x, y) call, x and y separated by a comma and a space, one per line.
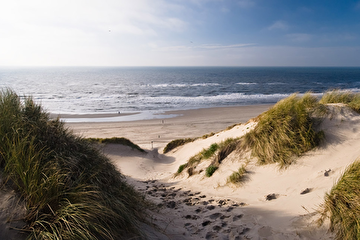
point(271, 204)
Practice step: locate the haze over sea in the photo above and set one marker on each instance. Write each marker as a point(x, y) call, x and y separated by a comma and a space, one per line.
point(87, 90)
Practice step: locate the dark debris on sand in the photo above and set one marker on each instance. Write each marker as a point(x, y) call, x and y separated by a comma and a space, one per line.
point(204, 216)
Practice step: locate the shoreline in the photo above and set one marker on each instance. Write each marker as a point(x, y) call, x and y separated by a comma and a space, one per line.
point(156, 133)
point(146, 115)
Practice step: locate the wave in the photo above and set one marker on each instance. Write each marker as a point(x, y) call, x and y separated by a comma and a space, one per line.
point(246, 83)
point(276, 83)
point(225, 99)
point(183, 85)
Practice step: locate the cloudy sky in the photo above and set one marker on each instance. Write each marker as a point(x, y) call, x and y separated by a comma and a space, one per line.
point(180, 33)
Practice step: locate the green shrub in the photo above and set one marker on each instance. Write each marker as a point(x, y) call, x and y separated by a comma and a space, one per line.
point(210, 170)
point(342, 205)
point(71, 190)
point(284, 131)
point(176, 143)
point(116, 140)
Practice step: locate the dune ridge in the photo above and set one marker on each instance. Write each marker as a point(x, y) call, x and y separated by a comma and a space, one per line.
point(273, 203)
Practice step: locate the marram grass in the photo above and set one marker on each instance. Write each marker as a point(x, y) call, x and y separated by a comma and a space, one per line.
point(217, 151)
point(285, 131)
point(342, 205)
point(177, 143)
point(239, 176)
point(346, 97)
point(117, 140)
point(71, 191)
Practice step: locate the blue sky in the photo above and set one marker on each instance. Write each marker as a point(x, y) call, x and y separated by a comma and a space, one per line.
point(180, 33)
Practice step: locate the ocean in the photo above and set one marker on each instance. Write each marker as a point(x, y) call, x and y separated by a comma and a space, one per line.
point(88, 90)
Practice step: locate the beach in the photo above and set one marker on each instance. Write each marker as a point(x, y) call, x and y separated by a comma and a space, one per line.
point(273, 203)
point(156, 133)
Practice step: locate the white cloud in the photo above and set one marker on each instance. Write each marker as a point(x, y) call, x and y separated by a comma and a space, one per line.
point(279, 25)
point(299, 37)
point(49, 32)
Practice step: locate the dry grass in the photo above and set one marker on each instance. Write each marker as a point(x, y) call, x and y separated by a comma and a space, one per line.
point(177, 143)
point(116, 140)
point(71, 190)
point(346, 97)
point(342, 205)
point(285, 131)
point(239, 176)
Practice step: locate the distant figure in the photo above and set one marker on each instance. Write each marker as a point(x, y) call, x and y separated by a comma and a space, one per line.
point(119, 112)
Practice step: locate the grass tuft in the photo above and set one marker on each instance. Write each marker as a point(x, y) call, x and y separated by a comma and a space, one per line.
point(225, 148)
point(238, 176)
point(284, 131)
point(177, 143)
point(117, 140)
point(181, 168)
point(71, 190)
point(207, 153)
point(345, 97)
point(210, 170)
point(342, 205)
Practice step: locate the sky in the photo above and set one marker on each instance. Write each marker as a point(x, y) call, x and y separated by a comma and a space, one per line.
point(180, 33)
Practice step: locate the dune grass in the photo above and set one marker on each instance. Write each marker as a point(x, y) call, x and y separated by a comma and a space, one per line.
point(238, 176)
point(342, 205)
point(217, 150)
point(225, 148)
point(71, 191)
point(347, 97)
point(196, 159)
point(210, 170)
point(177, 143)
point(117, 140)
point(284, 131)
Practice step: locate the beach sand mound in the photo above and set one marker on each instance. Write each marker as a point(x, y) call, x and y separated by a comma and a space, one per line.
point(270, 204)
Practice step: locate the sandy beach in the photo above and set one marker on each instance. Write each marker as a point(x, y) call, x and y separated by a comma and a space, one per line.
point(270, 204)
point(187, 124)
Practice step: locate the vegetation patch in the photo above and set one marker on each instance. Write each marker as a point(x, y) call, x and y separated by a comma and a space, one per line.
point(346, 97)
point(238, 176)
point(210, 170)
point(284, 131)
point(207, 153)
point(342, 205)
point(116, 140)
point(225, 148)
point(181, 168)
point(177, 143)
point(71, 190)
point(208, 135)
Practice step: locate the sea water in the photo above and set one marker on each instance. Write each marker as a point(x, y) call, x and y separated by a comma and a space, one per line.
point(83, 90)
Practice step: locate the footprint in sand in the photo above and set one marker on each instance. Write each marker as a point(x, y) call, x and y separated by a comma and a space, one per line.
point(205, 223)
point(210, 207)
point(307, 190)
point(215, 215)
point(271, 196)
point(237, 217)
